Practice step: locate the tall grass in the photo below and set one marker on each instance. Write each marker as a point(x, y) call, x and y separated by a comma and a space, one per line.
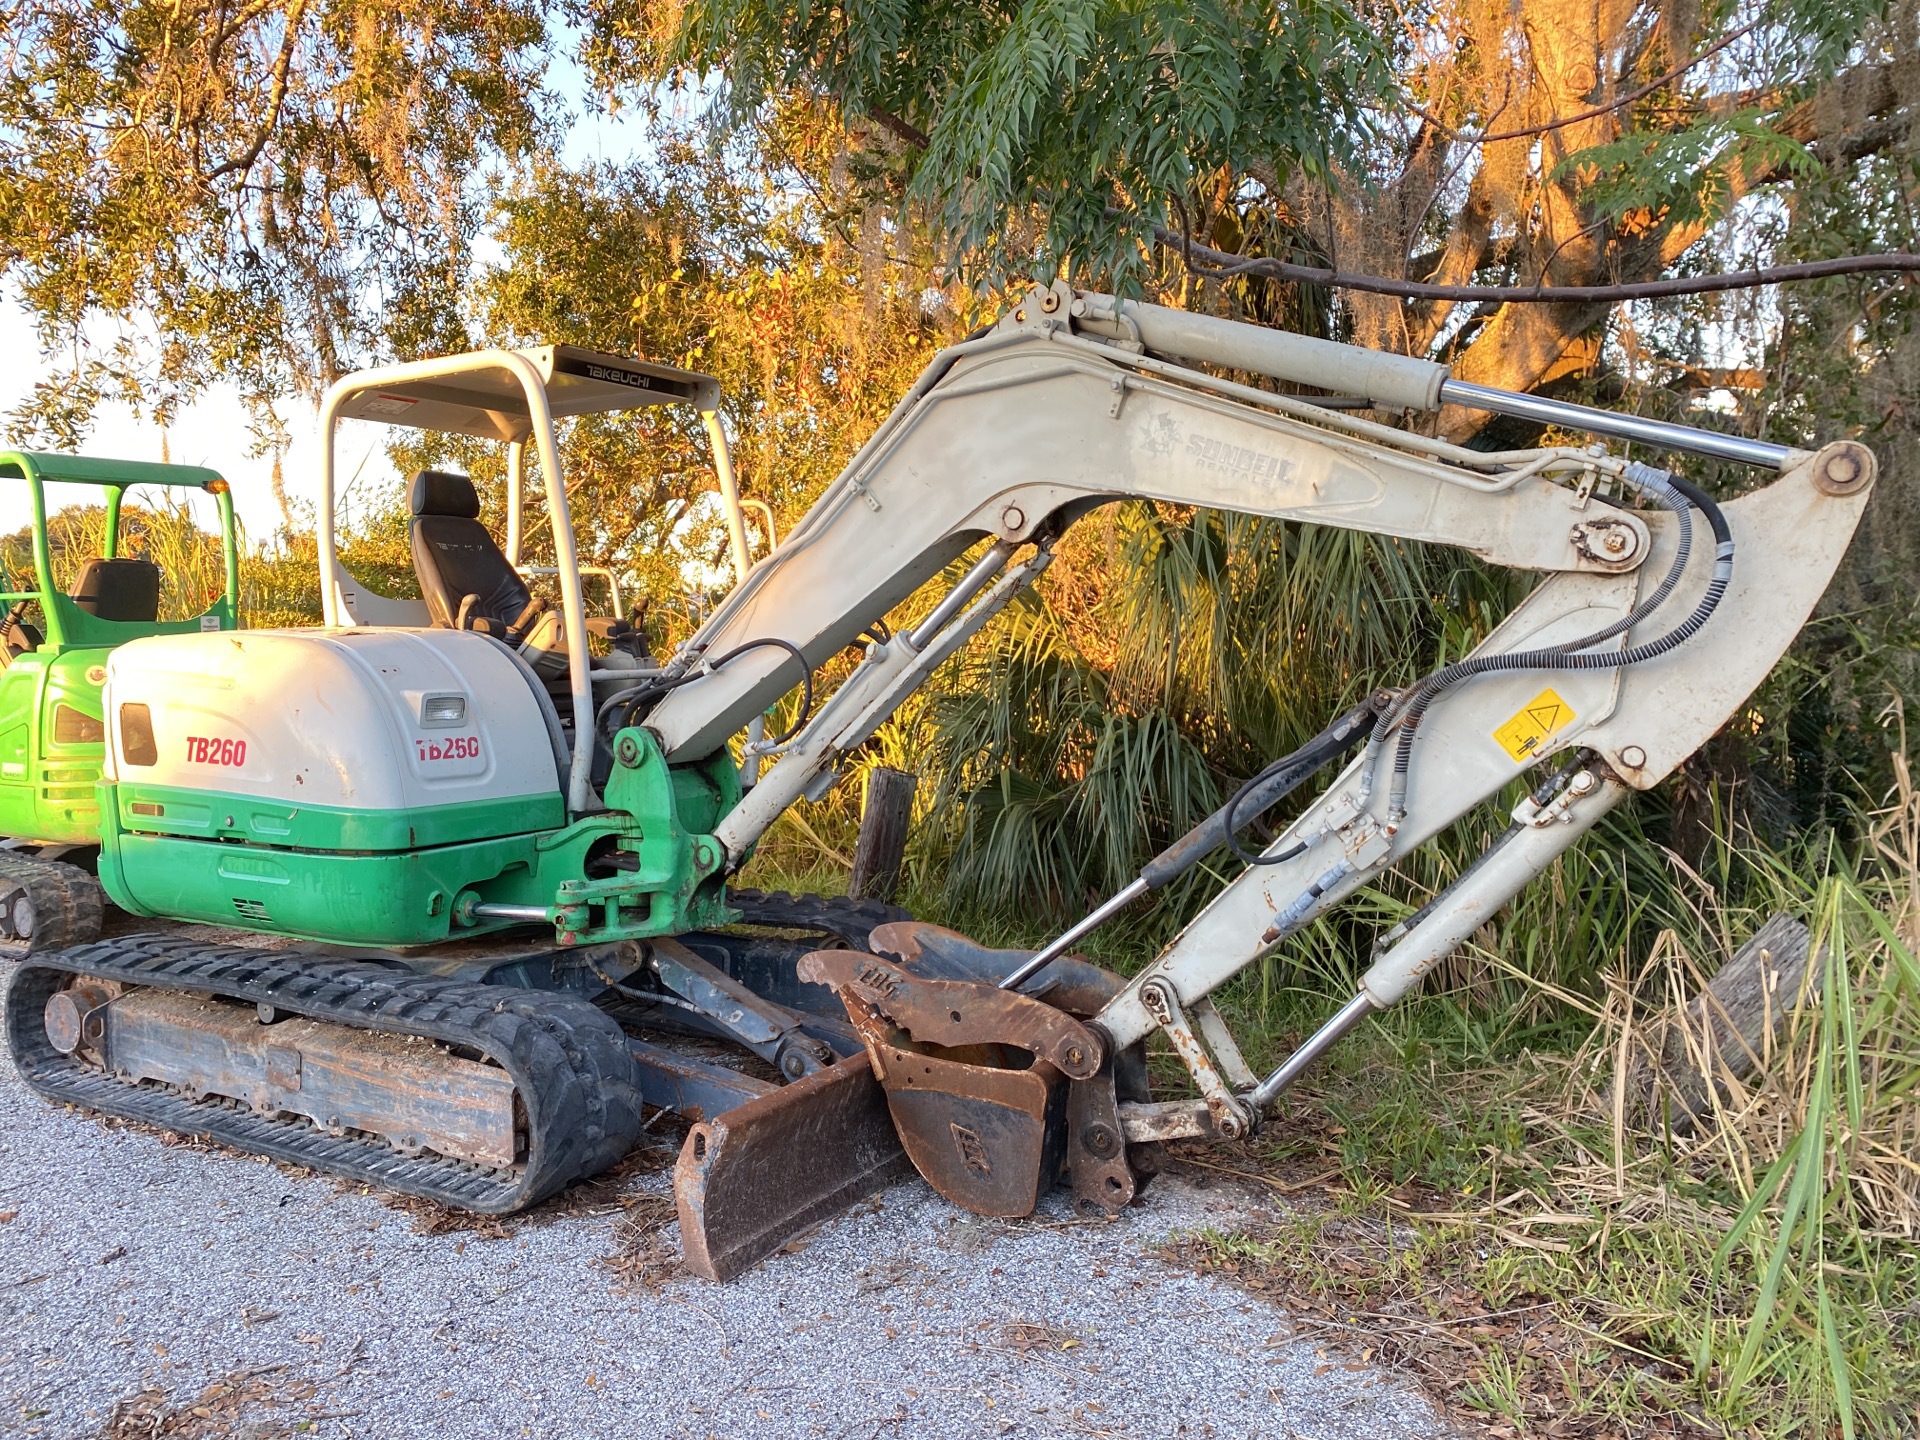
point(163, 529)
point(279, 583)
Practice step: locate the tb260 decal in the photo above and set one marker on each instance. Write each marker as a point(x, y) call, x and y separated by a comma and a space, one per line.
point(212, 750)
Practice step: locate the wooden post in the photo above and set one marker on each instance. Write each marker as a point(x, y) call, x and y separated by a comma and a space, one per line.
point(1722, 1034)
point(884, 822)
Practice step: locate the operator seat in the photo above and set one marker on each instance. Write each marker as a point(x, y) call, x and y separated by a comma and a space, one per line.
point(456, 558)
point(125, 589)
point(468, 584)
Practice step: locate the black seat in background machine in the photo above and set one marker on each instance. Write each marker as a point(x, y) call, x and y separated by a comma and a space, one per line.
point(126, 588)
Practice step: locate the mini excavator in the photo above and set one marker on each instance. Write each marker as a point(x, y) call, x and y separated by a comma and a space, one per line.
point(54, 642)
point(439, 892)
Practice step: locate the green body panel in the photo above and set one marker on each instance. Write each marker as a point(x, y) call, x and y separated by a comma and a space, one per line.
point(212, 857)
point(214, 814)
point(396, 898)
point(48, 786)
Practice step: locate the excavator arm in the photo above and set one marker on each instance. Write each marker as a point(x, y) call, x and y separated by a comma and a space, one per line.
point(1658, 614)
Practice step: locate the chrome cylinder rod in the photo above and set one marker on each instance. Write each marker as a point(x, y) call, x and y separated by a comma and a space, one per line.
point(1317, 1044)
point(971, 584)
point(488, 910)
point(1658, 433)
point(1074, 933)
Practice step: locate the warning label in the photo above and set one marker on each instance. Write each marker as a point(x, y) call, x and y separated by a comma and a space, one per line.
point(1526, 734)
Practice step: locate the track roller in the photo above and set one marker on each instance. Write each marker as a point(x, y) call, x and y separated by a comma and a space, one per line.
point(476, 1096)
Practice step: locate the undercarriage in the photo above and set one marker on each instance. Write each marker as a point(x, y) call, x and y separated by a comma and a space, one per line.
point(487, 1077)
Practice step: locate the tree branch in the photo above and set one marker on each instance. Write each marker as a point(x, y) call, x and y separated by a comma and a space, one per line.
point(282, 65)
point(900, 129)
point(1223, 265)
point(1640, 93)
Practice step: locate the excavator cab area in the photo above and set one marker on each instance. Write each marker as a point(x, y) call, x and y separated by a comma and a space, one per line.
point(58, 628)
point(451, 760)
point(470, 565)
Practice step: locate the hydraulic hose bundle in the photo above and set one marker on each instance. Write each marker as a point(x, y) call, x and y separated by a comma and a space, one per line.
point(635, 697)
point(1665, 489)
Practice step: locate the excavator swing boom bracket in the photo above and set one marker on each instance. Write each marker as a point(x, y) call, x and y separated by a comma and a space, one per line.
point(664, 867)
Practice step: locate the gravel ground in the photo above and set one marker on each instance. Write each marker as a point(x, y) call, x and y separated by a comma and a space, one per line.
point(139, 1279)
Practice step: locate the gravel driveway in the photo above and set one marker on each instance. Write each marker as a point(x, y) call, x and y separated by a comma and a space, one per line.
point(149, 1289)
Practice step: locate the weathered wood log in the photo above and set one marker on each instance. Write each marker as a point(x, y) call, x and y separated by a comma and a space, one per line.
point(884, 821)
point(1724, 1034)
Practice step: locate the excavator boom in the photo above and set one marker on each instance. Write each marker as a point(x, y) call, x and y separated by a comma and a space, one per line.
point(1658, 613)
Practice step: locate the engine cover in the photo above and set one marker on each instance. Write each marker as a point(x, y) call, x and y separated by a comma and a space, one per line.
point(353, 781)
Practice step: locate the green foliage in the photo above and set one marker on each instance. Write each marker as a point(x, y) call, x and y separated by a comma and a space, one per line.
point(1044, 135)
point(1689, 176)
point(272, 190)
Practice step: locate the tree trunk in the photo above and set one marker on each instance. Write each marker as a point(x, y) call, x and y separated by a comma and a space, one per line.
point(1722, 1036)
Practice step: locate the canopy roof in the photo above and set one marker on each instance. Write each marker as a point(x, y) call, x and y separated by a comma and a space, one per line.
point(490, 402)
point(92, 470)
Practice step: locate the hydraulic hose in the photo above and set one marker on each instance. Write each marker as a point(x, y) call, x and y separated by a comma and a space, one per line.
point(1265, 789)
point(635, 696)
point(1270, 785)
point(1669, 490)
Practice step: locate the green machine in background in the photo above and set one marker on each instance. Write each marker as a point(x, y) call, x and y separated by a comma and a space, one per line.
point(54, 642)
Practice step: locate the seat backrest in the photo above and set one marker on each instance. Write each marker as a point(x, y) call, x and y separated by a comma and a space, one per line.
point(120, 589)
point(454, 555)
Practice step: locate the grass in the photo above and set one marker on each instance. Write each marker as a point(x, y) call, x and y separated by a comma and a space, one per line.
point(1465, 1199)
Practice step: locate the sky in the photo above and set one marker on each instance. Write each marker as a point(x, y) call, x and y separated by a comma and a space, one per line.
point(213, 432)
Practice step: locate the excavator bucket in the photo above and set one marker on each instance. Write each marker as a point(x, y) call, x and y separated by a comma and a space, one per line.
point(986, 1087)
point(983, 1123)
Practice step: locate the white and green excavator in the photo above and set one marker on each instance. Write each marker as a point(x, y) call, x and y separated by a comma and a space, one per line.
point(486, 860)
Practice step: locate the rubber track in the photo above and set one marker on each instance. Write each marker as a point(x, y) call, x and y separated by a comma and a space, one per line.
point(852, 920)
point(68, 903)
point(569, 1062)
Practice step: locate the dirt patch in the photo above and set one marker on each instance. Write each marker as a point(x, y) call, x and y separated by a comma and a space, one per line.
point(646, 1253)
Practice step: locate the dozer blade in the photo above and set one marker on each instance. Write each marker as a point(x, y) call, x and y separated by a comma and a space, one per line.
point(751, 1179)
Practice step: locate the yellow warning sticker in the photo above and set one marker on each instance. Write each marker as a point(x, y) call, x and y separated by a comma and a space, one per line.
point(1526, 734)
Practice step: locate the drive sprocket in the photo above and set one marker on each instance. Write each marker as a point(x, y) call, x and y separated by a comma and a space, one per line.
point(46, 905)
